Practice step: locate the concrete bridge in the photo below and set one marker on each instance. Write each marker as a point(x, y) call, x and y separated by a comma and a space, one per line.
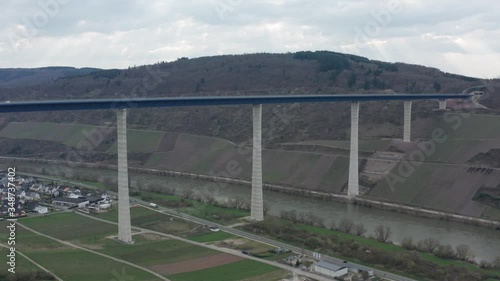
point(257, 212)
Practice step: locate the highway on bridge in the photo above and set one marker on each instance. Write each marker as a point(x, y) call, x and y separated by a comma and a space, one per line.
point(96, 104)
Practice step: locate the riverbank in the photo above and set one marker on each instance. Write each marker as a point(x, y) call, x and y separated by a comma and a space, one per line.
point(484, 242)
point(391, 206)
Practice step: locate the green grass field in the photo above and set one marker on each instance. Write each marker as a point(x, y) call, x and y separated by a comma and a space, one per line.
point(451, 150)
point(148, 249)
point(70, 226)
point(207, 212)
point(474, 126)
point(140, 141)
point(406, 190)
point(150, 252)
point(212, 237)
point(62, 260)
point(22, 264)
point(364, 145)
point(345, 236)
point(69, 134)
point(68, 265)
point(337, 174)
point(229, 272)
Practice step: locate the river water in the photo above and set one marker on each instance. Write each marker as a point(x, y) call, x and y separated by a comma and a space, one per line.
point(484, 242)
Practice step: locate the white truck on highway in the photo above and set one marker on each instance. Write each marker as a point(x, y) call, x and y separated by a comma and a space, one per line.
point(154, 205)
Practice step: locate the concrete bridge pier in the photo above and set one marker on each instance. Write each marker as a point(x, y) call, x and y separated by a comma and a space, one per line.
point(257, 204)
point(124, 228)
point(407, 122)
point(353, 184)
point(442, 104)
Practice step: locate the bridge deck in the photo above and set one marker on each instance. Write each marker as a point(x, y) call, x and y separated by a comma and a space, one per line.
point(94, 104)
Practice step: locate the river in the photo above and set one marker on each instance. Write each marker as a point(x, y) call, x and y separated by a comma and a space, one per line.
point(484, 242)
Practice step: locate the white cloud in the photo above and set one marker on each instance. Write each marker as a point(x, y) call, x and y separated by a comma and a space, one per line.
point(450, 35)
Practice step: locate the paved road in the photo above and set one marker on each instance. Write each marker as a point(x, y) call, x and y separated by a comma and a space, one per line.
point(272, 242)
point(220, 249)
point(161, 277)
point(247, 235)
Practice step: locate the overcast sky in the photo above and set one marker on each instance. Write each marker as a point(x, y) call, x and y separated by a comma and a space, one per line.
point(458, 36)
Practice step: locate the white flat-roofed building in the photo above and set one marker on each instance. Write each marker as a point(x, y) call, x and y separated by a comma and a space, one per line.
point(329, 269)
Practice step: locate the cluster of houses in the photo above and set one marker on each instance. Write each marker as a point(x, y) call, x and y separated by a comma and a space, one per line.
point(37, 197)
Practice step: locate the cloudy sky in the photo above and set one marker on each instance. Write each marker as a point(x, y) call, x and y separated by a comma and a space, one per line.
point(458, 36)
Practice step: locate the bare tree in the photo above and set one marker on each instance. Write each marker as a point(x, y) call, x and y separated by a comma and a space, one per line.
point(445, 251)
point(408, 243)
point(345, 225)
point(383, 232)
point(359, 229)
point(208, 197)
point(236, 203)
point(170, 191)
point(464, 252)
point(301, 218)
point(265, 208)
point(309, 218)
point(319, 221)
point(289, 215)
point(430, 244)
point(188, 194)
point(496, 262)
point(485, 264)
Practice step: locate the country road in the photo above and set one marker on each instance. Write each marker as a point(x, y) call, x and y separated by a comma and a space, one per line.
point(241, 233)
point(220, 249)
point(161, 277)
point(274, 243)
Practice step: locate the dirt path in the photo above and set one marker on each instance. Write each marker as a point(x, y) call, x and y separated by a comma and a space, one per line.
point(94, 252)
point(224, 250)
point(196, 264)
point(35, 263)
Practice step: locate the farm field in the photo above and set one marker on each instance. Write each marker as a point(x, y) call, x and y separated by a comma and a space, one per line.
point(71, 227)
point(60, 259)
point(364, 145)
point(301, 169)
point(140, 141)
point(143, 217)
point(150, 249)
point(469, 126)
point(69, 134)
point(172, 258)
point(211, 237)
point(465, 136)
point(230, 272)
point(200, 154)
